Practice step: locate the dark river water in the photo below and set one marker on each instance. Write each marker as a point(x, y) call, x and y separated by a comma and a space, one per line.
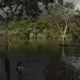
point(43, 62)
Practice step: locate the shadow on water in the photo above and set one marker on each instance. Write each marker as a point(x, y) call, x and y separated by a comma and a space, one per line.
point(4, 68)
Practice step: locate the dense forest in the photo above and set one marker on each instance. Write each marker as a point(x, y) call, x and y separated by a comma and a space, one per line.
point(25, 20)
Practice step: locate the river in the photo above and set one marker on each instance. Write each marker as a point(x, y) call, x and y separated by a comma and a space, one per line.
point(42, 62)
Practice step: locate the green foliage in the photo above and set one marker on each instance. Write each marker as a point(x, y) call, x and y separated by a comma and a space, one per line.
point(20, 9)
point(40, 29)
point(46, 28)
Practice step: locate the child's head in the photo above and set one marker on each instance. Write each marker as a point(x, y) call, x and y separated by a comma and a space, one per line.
point(19, 63)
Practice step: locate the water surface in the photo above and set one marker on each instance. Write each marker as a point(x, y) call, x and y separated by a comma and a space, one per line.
point(40, 62)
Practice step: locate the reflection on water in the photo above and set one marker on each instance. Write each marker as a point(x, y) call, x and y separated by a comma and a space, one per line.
point(43, 62)
point(7, 67)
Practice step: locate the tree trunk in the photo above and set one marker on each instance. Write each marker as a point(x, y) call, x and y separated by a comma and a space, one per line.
point(6, 39)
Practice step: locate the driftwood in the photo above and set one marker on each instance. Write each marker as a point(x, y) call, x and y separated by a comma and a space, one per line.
point(68, 44)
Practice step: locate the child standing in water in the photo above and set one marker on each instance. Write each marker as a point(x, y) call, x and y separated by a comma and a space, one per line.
point(19, 70)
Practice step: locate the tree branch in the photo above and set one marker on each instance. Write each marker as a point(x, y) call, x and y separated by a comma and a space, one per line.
point(17, 5)
point(66, 23)
point(10, 7)
point(58, 27)
point(2, 8)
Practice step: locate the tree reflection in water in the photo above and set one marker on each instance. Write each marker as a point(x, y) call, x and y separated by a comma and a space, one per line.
point(7, 67)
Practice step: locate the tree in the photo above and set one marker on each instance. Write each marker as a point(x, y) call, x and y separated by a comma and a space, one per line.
point(61, 15)
point(46, 2)
point(75, 26)
point(9, 9)
point(31, 8)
